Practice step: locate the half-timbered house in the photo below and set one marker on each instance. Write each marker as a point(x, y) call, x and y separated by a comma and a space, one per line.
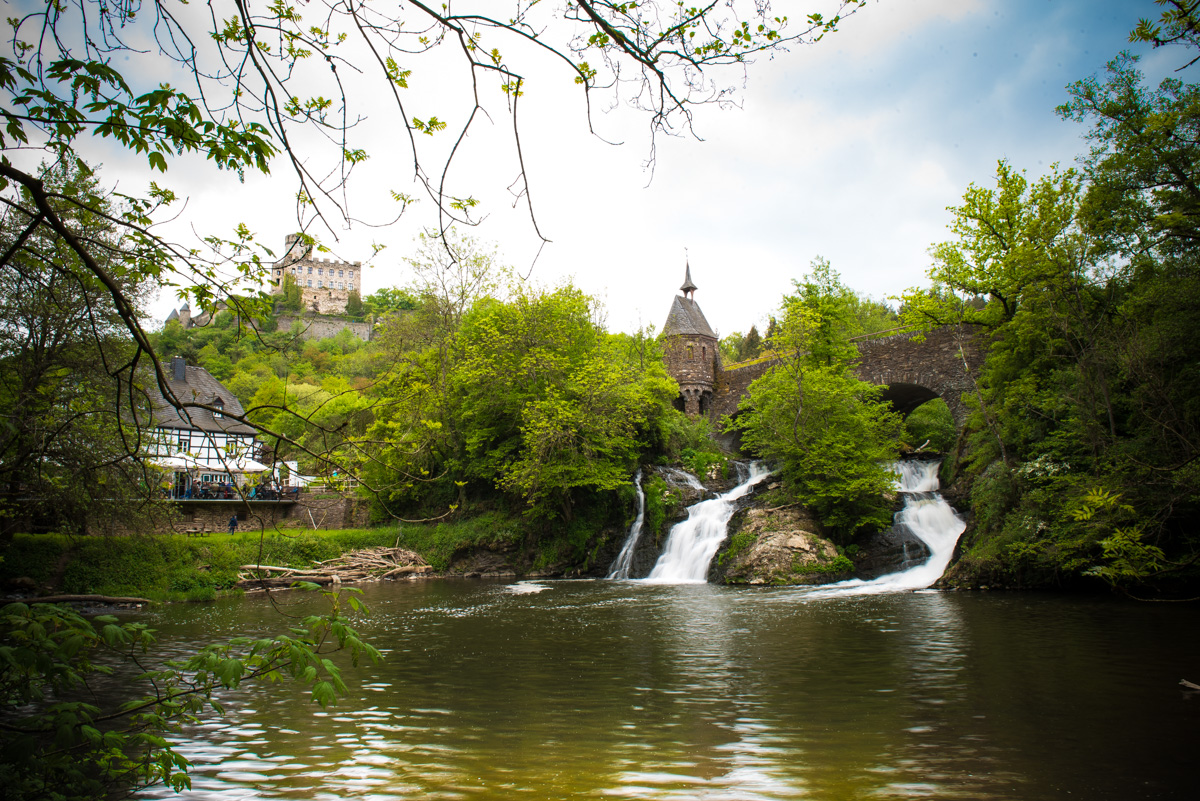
point(199, 446)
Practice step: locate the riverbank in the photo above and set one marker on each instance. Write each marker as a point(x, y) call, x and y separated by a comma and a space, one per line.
point(176, 567)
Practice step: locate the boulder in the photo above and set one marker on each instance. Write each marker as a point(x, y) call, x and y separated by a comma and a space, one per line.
point(777, 546)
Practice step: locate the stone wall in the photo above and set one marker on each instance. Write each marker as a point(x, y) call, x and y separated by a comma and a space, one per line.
point(311, 510)
point(326, 327)
point(693, 361)
point(732, 386)
point(940, 365)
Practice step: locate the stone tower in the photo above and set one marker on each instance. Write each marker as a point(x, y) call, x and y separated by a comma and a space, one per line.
point(690, 350)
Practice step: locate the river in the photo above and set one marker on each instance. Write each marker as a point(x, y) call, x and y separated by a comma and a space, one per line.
point(584, 689)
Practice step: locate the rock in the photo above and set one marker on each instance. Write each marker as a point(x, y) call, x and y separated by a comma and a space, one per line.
point(890, 551)
point(481, 563)
point(21, 584)
point(777, 546)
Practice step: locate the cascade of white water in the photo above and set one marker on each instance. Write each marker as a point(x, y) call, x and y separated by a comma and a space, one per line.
point(927, 515)
point(683, 477)
point(624, 561)
point(693, 542)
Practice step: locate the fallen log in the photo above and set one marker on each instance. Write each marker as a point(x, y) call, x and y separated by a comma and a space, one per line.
point(268, 568)
point(81, 599)
point(407, 570)
point(283, 583)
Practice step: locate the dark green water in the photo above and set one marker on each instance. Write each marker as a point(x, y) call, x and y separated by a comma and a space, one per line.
point(591, 689)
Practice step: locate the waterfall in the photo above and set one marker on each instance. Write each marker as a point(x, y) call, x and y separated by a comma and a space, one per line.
point(677, 476)
point(927, 515)
point(624, 561)
point(693, 542)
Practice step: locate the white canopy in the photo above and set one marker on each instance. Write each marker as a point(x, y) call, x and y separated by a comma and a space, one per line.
point(240, 464)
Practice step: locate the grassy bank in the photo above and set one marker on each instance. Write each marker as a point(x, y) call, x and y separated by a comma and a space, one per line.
point(176, 568)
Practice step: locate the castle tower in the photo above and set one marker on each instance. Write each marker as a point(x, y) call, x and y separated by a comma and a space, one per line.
point(690, 350)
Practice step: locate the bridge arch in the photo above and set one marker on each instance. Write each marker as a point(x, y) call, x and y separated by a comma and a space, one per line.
point(914, 370)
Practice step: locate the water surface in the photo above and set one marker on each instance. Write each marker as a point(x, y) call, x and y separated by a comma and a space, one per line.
point(625, 689)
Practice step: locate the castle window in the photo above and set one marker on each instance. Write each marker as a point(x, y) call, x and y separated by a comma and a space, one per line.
point(691, 355)
point(310, 270)
point(339, 273)
point(278, 273)
point(704, 352)
point(310, 282)
point(320, 284)
point(352, 273)
point(340, 285)
point(320, 271)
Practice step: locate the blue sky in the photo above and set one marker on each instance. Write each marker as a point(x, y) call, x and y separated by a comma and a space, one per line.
point(849, 149)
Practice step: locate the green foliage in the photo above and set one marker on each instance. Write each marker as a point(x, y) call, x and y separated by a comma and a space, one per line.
point(292, 297)
point(1086, 284)
point(689, 441)
point(58, 742)
point(738, 544)
point(172, 568)
point(385, 301)
point(354, 305)
point(930, 422)
point(829, 432)
point(839, 564)
point(553, 407)
point(438, 543)
point(660, 500)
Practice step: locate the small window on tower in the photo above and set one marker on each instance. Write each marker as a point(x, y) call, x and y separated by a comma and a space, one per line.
point(691, 355)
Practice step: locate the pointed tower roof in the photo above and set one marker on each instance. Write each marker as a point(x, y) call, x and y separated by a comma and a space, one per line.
point(685, 317)
point(688, 287)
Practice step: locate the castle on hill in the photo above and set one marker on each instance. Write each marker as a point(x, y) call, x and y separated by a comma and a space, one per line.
point(325, 285)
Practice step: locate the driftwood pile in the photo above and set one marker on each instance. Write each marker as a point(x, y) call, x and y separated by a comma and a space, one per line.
point(371, 564)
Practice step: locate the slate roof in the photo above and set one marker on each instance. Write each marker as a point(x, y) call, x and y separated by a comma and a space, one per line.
point(199, 387)
point(685, 317)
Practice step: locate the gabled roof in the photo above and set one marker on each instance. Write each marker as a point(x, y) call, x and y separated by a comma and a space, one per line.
point(199, 386)
point(685, 317)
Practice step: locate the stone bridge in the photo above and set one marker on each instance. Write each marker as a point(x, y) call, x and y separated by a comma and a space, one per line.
point(914, 372)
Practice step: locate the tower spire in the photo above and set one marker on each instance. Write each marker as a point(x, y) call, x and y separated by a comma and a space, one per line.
point(688, 288)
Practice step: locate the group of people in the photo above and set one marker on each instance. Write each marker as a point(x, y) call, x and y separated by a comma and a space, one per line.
point(223, 490)
point(211, 490)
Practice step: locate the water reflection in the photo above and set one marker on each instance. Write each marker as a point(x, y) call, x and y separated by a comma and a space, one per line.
point(694, 691)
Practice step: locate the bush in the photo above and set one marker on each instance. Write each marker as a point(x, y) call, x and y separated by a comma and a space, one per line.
point(931, 422)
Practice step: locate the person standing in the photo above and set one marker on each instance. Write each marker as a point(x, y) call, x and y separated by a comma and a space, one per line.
point(233, 524)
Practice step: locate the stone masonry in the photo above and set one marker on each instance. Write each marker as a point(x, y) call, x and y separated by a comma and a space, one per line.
point(691, 351)
point(913, 369)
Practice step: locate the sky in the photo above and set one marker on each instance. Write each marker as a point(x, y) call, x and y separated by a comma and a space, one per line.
point(849, 149)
